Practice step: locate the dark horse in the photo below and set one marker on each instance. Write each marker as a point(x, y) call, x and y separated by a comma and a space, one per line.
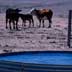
point(27, 17)
point(12, 17)
point(42, 14)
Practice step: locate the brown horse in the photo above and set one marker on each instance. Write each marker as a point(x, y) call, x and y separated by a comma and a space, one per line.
point(12, 17)
point(42, 14)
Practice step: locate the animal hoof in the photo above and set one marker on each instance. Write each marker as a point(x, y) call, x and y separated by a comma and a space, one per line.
point(24, 25)
point(17, 29)
point(49, 26)
point(43, 26)
point(14, 28)
point(10, 28)
point(6, 27)
point(29, 26)
point(33, 26)
point(39, 26)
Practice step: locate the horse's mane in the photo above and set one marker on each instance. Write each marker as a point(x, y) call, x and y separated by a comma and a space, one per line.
point(44, 10)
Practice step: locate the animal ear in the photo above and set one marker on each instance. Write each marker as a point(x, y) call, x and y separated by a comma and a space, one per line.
point(31, 9)
point(20, 10)
point(35, 9)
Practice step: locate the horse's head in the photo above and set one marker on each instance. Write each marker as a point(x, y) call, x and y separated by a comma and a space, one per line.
point(33, 11)
point(17, 10)
point(12, 11)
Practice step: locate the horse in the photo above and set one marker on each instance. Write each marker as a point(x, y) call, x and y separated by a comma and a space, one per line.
point(27, 17)
point(43, 14)
point(12, 17)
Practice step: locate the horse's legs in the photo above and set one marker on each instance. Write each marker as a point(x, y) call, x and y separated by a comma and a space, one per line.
point(29, 23)
point(50, 21)
point(43, 22)
point(23, 23)
point(16, 24)
point(39, 22)
point(32, 22)
point(10, 24)
point(6, 23)
point(13, 24)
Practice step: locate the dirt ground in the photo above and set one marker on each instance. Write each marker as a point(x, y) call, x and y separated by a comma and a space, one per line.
point(34, 38)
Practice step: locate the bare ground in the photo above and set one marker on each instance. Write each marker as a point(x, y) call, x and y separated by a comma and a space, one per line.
point(34, 38)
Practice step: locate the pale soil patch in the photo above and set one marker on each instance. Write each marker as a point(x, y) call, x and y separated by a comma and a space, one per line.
point(34, 39)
